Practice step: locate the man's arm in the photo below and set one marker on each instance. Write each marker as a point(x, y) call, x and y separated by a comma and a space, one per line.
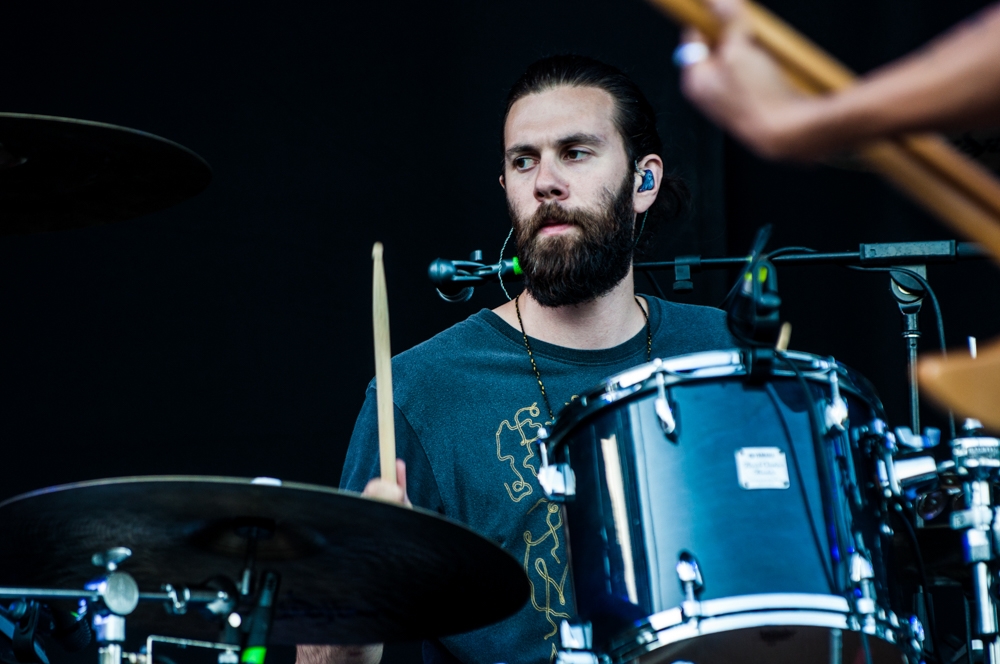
point(338, 654)
point(953, 82)
point(361, 470)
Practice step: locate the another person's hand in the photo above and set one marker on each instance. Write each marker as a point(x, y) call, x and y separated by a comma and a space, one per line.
point(388, 492)
point(741, 87)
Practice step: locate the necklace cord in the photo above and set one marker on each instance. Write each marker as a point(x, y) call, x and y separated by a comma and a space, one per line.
point(534, 365)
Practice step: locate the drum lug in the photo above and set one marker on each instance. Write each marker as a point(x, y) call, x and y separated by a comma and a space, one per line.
point(575, 636)
point(836, 411)
point(556, 479)
point(575, 641)
point(663, 410)
point(862, 574)
point(689, 574)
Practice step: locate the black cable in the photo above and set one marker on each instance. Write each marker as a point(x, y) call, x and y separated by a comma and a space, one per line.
point(968, 629)
point(903, 511)
point(788, 250)
point(826, 491)
point(937, 315)
point(816, 533)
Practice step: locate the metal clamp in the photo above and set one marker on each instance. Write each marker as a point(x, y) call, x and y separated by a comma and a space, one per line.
point(575, 642)
point(557, 479)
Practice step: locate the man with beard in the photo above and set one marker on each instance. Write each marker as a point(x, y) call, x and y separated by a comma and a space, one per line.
point(582, 163)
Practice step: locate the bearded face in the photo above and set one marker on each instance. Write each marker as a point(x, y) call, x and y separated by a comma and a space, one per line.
point(574, 267)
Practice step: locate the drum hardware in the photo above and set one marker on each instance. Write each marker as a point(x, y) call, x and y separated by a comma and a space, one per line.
point(835, 413)
point(762, 605)
point(977, 463)
point(336, 554)
point(556, 479)
point(689, 574)
point(575, 644)
point(663, 410)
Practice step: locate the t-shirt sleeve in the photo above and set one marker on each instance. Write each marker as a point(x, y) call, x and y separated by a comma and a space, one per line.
point(362, 462)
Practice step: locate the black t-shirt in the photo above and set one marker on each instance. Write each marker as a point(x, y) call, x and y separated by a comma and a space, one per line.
point(467, 406)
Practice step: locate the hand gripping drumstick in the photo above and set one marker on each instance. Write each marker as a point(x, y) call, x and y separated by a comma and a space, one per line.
point(383, 369)
point(957, 190)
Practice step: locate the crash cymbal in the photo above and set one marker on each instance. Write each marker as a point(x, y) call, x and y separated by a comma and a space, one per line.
point(968, 386)
point(59, 173)
point(353, 570)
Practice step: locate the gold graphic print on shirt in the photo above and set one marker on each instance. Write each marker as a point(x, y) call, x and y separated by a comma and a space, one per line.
point(522, 447)
point(545, 560)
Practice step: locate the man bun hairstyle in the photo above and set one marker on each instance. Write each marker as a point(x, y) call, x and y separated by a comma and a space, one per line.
point(634, 118)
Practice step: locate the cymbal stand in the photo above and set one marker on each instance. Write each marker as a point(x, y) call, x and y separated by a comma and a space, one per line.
point(977, 462)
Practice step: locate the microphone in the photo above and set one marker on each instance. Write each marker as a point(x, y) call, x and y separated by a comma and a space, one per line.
point(455, 280)
point(752, 306)
point(70, 630)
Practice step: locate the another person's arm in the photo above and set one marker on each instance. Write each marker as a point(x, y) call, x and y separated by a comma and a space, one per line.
point(953, 82)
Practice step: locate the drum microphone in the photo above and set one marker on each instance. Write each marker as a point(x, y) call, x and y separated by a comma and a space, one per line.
point(455, 280)
point(752, 306)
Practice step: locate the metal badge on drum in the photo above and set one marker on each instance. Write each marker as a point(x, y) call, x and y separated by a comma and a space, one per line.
point(761, 468)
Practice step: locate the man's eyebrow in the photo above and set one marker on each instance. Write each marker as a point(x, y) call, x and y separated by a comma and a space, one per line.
point(572, 139)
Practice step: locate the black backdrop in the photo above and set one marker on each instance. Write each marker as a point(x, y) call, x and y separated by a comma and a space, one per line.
point(231, 334)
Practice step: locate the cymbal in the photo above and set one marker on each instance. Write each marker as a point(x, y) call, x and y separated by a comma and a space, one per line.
point(60, 173)
point(353, 570)
point(969, 386)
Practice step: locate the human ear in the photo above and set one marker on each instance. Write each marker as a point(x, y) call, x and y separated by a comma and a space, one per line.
point(503, 185)
point(643, 200)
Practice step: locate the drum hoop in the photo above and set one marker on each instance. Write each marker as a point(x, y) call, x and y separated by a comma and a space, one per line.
point(696, 367)
point(747, 612)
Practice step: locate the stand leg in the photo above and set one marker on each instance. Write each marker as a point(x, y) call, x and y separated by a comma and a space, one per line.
point(110, 654)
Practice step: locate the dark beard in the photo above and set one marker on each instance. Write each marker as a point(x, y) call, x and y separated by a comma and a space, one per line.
point(566, 269)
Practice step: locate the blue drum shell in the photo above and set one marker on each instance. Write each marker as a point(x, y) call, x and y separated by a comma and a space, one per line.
point(682, 493)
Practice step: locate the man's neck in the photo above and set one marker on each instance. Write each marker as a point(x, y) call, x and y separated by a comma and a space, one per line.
point(605, 322)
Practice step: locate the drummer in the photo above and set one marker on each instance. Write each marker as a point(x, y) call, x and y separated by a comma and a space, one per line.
point(585, 182)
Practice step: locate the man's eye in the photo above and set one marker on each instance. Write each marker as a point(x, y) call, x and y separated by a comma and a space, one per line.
point(576, 155)
point(522, 163)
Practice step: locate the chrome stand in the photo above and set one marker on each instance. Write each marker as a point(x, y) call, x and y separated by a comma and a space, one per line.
point(977, 463)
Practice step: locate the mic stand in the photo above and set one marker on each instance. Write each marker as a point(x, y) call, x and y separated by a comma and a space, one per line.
point(909, 294)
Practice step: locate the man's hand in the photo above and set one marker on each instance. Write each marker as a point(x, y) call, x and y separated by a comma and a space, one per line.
point(742, 88)
point(338, 654)
point(388, 492)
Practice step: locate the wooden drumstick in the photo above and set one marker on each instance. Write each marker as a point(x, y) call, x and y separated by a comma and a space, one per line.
point(957, 190)
point(383, 369)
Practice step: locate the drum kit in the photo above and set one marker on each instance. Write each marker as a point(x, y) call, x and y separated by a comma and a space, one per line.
point(748, 505)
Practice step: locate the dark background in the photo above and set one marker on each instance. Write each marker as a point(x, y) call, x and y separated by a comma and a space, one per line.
point(231, 334)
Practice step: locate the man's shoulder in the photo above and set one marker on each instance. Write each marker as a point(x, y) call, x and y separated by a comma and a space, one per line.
point(476, 330)
point(681, 311)
point(689, 328)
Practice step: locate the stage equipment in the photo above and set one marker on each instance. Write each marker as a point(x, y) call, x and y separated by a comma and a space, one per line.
point(239, 563)
point(726, 507)
point(60, 173)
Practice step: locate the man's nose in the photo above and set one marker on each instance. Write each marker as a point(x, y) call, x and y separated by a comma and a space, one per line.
point(549, 183)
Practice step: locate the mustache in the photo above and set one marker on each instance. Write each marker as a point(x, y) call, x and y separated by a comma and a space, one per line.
point(551, 214)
